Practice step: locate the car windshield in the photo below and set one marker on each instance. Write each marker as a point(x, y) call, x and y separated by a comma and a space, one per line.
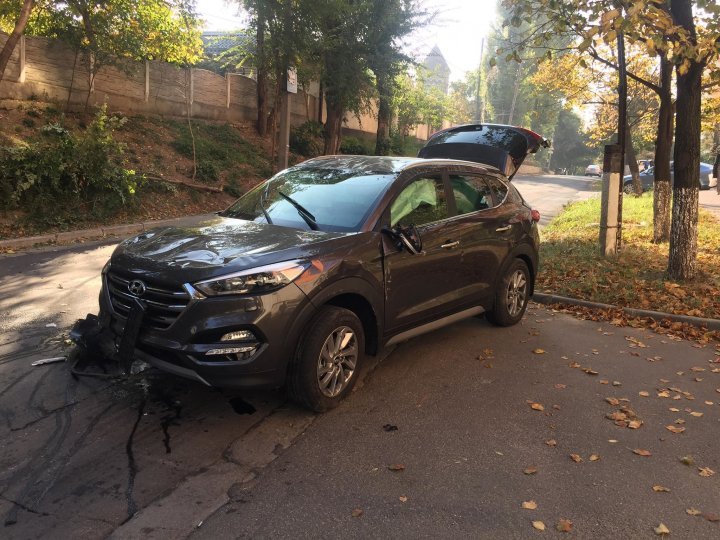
point(337, 200)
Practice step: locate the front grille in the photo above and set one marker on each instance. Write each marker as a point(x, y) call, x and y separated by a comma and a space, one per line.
point(163, 305)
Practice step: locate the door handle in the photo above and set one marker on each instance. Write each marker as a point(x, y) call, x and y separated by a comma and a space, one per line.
point(451, 245)
point(503, 229)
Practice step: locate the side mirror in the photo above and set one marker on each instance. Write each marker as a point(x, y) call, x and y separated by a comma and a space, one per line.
point(407, 238)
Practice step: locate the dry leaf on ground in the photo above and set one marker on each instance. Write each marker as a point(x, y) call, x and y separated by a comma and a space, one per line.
point(661, 530)
point(538, 351)
point(661, 489)
point(576, 458)
point(641, 452)
point(564, 525)
point(705, 471)
point(403, 498)
point(551, 442)
point(529, 505)
point(675, 429)
point(530, 470)
point(537, 407)
point(539, 525)
point(396, 467)
point(693, 512)
point(357, 512)
point(594, 457)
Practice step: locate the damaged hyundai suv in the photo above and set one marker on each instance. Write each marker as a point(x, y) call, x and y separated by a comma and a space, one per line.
point(329, 261)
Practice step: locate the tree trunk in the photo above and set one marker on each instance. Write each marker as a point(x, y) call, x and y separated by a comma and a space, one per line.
point(262, 86)
point(683, 231)
point(14, 37)
point(382, 142)
point(663, 148)
point(333, 127)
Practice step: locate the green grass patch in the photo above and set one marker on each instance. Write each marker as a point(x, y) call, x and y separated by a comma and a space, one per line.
point(571, 264)
point(218, 148)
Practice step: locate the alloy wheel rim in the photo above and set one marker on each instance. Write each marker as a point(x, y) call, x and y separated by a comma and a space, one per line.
point(516, 293)
point(337, 361)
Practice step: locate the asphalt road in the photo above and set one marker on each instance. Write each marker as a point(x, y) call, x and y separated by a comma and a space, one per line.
point(154, 455)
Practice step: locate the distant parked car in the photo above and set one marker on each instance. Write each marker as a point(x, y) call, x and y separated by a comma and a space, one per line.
point(647, 178)
point(593, 170)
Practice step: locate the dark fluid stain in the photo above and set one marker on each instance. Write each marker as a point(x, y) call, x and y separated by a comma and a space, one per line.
point(240, 406)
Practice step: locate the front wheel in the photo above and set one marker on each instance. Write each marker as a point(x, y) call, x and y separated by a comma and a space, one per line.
point(512, 295)
point(327, 361)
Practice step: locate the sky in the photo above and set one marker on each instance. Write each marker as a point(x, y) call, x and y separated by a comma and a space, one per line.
point(458, 29)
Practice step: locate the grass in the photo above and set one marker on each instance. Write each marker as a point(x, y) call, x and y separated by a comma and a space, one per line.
point(571, 264)
point(218, 148)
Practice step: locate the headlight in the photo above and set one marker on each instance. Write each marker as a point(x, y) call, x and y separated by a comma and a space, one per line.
point(254, 280)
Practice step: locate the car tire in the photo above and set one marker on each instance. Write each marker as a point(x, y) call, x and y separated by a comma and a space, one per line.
point(512, 295)
point(628, 188)
point(327, 359)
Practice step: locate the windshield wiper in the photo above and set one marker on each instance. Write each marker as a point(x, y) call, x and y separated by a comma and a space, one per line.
point(307, 216)
point(262, 205)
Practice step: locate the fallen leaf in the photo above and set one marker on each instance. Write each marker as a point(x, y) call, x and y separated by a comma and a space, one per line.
point(590, 371)
point(551, 442)
point(675, 429)
point(530, 470)
point(529, 505)
point(644, 393)
point(661, 489)
point(709, 403)
point(616, 383)
point(612, 401)
point(577, 365)
point(537, 407)
point(612, 441)
point(594, 457)
point(539, 525)
point(705, 471)
point(538, 351)
point(711, 517)
point(661, 530)
point(604, 381)
point(576, 458)
point(396, 467)
point(403, 498)
point(641, 452)
point(679, 421)
point(634, 424)
point(696, 414)
point(560, 386)
point(697, 369)
point(673, 409)
point(357, 512)
point(564, 525)
point(663, 394)
point(687, 460)
point(693, 512)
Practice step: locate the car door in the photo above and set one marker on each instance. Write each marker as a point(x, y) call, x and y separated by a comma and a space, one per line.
point(421, 287)
point(484, 230)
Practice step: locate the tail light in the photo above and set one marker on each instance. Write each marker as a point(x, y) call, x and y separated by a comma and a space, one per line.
point(535, 215)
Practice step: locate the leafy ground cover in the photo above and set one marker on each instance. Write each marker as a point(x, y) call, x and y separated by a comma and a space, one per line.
point(571, 265)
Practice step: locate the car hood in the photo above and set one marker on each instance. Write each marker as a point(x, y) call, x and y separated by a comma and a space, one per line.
point(214, 246)
point(503, 147)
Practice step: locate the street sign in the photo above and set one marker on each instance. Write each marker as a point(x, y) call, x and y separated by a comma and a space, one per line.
point(292, 84)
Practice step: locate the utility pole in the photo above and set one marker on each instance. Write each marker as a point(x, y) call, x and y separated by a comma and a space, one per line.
point(284, 136)
point(614, 168)
point(478, 106)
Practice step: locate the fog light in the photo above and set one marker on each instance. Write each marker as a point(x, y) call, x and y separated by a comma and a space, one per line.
point(230, 350)
point(240, 335)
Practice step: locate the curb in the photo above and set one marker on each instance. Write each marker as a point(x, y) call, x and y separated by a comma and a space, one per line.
point(97, 233)
point(710, 324)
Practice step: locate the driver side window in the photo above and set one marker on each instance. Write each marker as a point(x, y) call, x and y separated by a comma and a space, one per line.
point(422, 201)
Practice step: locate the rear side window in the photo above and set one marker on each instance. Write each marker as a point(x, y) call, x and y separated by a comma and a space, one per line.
point(499, 189)
point(422, 201)
point(471, 193)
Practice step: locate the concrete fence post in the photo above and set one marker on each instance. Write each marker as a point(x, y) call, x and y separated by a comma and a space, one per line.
point(227, 90)
point(147, 80)
point(21, 76)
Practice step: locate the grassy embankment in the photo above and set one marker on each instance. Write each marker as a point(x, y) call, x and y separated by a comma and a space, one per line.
point(571, 264)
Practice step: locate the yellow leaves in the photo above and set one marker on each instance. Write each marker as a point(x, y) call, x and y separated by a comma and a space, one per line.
point(539, 525)
point(661, 530)
point(693, 512)
point(674, 429)
point(538, 351)
point(530, 470)
point(536, 406)
point(403, 498)
point(642, 452)
point(576, 458)
point(551, 442)
point(612, 401)
point(564, 525)
point(529, 505)
point(660, 489)
point(594, 457)
point(644, 393)
point(705, 471)
point(696, 414)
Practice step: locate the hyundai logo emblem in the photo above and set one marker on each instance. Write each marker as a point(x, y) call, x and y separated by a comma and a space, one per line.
point(137, 287)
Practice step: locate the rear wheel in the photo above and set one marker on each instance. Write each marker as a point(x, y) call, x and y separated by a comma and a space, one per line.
point(327, 360)
point(628, 188)
point(512, 295)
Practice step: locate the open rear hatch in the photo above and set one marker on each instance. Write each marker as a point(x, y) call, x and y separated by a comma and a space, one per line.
point(500, 146)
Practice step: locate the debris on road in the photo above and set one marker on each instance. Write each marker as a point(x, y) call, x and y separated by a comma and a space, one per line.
point(45, 361)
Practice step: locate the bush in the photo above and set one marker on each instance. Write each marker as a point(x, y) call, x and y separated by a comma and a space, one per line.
point(307, 139)
point(63, 177)
point(357, 147)
point(207, 171)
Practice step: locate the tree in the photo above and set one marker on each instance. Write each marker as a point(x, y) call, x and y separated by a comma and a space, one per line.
point(14, 37)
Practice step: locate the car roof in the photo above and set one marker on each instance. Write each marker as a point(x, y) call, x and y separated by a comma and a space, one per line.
point(388, 164)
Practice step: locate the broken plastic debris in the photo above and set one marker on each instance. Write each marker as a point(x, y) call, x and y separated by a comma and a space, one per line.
point(48, 361)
